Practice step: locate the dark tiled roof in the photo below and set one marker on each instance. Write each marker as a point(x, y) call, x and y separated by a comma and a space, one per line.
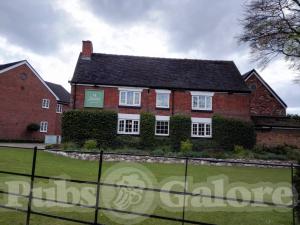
point(4, 66)
point(137, 71)
point(277, 122)
point(60, 91)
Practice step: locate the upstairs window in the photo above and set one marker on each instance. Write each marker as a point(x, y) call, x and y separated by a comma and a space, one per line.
point(201, 127)
point(43, 126)
point(130, 97)
point(202, 100)
point(59, 108)
point(45, 103)
point(163, 98)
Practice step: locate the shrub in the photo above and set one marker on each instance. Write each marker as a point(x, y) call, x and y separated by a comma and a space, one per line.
point(147, 130)
point(70, 146)
point(33, 127)
point(81, 125)
point(180, 130)
point(186, 146)
point(127, 141)
point(240, 152)
point(158, 152)
point(202, 144)
point(90, 144)
point(53, 146)
point(230, 132)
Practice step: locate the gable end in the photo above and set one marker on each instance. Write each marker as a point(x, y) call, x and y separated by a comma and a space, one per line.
point(248, 75)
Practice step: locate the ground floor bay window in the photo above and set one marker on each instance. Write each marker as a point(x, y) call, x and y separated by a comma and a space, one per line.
point(128, 124)
point(201, 127)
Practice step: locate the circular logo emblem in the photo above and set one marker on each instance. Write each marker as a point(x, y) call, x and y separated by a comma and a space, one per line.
point(124, 196)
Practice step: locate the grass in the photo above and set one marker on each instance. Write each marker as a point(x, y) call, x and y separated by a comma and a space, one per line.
point(18, 160)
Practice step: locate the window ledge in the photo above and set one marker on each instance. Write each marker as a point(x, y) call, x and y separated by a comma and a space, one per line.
point(162, 135)
point(162, 108)
point(202, 110)
point(130, 106)
point(204, 137)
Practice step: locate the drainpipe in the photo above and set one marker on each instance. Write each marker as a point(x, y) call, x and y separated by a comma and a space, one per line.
point(74, 97)
point(172, 99)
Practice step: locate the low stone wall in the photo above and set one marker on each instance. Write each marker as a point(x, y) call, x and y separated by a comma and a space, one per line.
point(166, 160)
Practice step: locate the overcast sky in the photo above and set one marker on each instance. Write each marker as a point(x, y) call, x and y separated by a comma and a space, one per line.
point(48, 34)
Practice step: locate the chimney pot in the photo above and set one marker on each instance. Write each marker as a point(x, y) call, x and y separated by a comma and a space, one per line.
point(87, 50)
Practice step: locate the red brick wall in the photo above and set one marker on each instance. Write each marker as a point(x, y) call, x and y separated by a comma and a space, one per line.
point(21, 104)
point(66, 107)
point(229, 105)
point(262, 101)
point(278, 138)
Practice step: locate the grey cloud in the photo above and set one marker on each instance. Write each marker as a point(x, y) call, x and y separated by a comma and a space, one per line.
point(122, 12)
point(202, 25)
point(35, 25)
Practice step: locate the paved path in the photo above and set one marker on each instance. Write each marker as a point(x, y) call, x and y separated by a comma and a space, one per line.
point(23, 145)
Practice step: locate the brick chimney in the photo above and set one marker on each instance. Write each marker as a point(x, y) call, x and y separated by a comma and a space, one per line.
point(87, 50)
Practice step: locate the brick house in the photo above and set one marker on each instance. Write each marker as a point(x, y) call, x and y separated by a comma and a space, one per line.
point(25, 99)
point(268, 112)
point(131, 85)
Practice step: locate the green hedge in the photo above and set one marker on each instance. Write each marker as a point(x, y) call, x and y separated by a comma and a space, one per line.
point(180, 130)
point(230, 132)
point(147, 131)
point(81, 125)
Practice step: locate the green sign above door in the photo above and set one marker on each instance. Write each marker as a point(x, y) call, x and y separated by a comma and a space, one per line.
point(93, 98)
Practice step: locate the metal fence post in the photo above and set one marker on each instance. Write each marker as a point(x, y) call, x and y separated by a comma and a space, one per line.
point(31, 186)
point(98, 188)
point(293, 192)
point(185, 189)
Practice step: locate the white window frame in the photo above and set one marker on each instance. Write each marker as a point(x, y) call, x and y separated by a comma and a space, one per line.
point(162, 119)
point(45, 103)
point(128, 117)
point(206, 95)
point(59, 108)
point(43, 126)
point(135, 91)
point(164, 92)
point(205, 121)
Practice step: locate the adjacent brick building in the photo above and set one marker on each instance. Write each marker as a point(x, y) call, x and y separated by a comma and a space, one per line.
point(27, 99)
point(268, 112)
point(264, 100)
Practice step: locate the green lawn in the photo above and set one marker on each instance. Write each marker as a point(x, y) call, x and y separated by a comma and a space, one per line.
point(48, 164)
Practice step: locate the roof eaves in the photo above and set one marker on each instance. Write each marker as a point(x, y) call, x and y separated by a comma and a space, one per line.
point(159, 87)
point(13, 66)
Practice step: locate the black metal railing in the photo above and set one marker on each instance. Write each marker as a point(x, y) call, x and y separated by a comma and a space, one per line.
point(99, 184)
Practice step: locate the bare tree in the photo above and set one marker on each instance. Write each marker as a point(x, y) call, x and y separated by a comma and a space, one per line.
point(272, 29)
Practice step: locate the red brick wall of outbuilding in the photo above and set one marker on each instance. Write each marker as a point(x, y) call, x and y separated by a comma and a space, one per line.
point(278, 137)
point(21, 104)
